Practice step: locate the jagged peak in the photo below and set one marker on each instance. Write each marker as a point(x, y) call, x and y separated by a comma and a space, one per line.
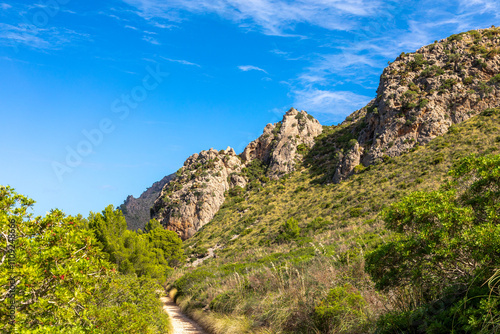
point(422, 94)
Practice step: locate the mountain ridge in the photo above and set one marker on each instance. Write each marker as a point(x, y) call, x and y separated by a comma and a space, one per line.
point(420, 96)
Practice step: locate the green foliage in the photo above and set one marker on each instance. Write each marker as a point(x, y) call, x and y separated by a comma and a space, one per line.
point(341, 311)
point(495, 80)
point(127, 304)
point(456, 37)
point(468, 80)
point(150, 254)
point(64, 283)
point(224, 303)
point(302, 149)
point(256, 171)
point(448, 84)
point(423, 103)
point(418, 62)
point(317, 224)
point(446, 238)
point(432, 71)
point(290, 230)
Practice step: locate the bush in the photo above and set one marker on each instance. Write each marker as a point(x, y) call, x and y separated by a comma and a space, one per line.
point(224, 303)
point(495, 80)
point(446, 243)
point(290, 230)
point(342, 310)
point(317, 223)
point(302, 149)
point(423, 103)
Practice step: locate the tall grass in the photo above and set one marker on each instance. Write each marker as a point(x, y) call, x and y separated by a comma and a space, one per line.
point(260, 283)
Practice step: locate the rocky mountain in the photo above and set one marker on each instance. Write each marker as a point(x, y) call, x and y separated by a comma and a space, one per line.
point(189, 202)
point(137, 210)
point(420, 96)
point(367, 209)
point(192, 200)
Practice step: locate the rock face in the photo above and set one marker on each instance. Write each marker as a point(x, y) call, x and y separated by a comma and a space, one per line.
point(192, 200)
point(424, 93)
point(137, 210)
point(277, 147)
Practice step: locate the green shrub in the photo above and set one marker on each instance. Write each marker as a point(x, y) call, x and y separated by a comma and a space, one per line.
point(302, 149)
point(468, 80)
point(317, 223)
point(290, 230)
point(495, 80)
point(423, 103)
point(455, 37)
point(359, 169)
point(341, 311)
point(446, 244)
point(355, 212)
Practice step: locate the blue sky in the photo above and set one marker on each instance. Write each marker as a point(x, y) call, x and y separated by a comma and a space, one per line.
point(99, 99)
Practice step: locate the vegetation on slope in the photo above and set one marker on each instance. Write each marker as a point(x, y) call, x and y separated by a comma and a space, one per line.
point(64, 270)
point(446, 246)
point(292, 257)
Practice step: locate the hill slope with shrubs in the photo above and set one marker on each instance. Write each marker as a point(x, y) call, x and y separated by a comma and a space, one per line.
point(316, 251)
point(290, 255)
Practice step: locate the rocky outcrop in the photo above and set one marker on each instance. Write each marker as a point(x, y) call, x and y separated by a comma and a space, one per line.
point(191, 201)
point(262, 147)
point(137, 210)
point(198, 192)
point(424, 93)
point(347, 163)
point(277, 147)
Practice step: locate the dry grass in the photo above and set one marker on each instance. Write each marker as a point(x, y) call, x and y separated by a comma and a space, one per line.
point(272, 287)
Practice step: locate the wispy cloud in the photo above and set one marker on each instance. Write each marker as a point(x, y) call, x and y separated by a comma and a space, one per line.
point(5, 6)
point(272, 17)
point(246, 68)
point(358, 39)
point(151, 40)
point(37, 38)
point(334, 104)
point(180, 61)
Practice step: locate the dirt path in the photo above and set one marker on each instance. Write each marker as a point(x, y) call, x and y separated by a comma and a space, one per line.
point(180, 322)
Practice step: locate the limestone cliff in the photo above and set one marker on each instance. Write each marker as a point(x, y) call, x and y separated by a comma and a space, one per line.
point(422, 94)
point(198, 192)
point(277, 147)
point(191, 201)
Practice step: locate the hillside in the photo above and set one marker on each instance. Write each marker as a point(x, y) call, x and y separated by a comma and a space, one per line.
point(269, 282)
point(279, 250)
point(419, 97)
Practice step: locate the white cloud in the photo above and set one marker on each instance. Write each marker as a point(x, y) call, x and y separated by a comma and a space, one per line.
point(481, 6)
point(130, 27)
point(38, 38)
point(272, 17)
point(246, 68)
point(180, 61)
point(151, 40)
point(334, 104)
point(5, 6)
